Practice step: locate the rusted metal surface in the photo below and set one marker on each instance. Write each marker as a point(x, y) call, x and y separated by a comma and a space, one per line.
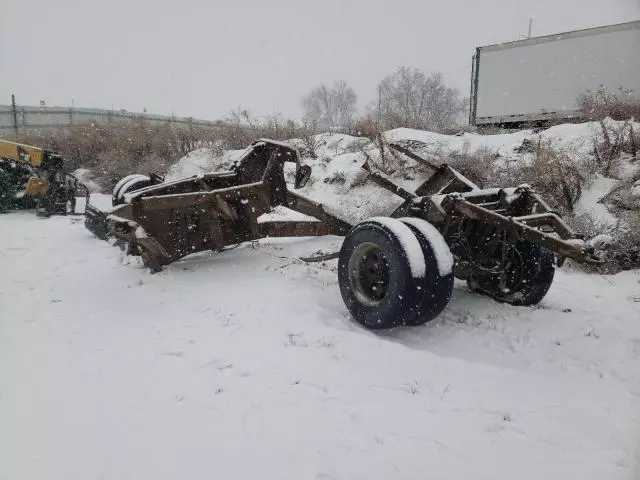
point(306, 206)
point(388, 184)
point(422, 161)
point(518, 230)
point(443, 179)
point(293, 229)
point(448, 200)
point(322, 257)
point(165, 222)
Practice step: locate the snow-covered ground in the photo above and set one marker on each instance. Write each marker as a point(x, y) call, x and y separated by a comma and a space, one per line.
point(589, 201)
point(245, 365)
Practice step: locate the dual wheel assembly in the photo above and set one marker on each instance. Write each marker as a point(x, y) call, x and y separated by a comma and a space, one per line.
point(395, 272)
point(399, 272)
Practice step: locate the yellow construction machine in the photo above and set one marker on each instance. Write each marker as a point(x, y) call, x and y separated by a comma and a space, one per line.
point(32, 177)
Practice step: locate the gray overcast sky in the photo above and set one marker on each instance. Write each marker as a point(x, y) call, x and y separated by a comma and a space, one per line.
point(203, 58)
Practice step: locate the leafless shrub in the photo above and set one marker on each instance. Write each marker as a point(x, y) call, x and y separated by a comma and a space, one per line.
point(310, 141)
point(118, 149)
point(365, 127)
point(360, 179)
point(115, 150)
point(598, 105)
point(607, 150)
point(356, 145)
point(378, 154)
point(241, 127)
point(586, 224)
point(558, 175)
point(478, 166)
point(612, 143)
point(528, 146)
point(278, 128)
point(235, 132)
point(624, 252)
point(337, 177)
point(507, 174)
point(623, 196)
point(634, 141)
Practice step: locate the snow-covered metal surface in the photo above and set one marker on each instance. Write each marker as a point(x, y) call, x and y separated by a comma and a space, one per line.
point(287, 145)
point(127, 179)
point(409, 242)
point(122, 194)
point(126, 221)
point(464, 179)
point(441, 250)
point(437, 199)
point(540, 78)
point(204, 160)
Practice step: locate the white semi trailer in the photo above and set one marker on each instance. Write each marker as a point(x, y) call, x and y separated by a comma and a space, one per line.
point(539, 79)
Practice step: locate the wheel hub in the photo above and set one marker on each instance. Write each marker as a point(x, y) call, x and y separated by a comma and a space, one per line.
point(369, 273)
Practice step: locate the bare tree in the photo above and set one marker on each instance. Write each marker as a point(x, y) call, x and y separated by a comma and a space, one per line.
point(408, 98)
point(330, 107)
point(345, 103)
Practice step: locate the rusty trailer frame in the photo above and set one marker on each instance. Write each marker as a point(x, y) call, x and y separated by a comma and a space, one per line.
point(505, 242)
point(167, 221)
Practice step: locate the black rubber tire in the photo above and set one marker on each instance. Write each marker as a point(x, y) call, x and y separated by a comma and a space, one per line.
point(537, 277)
point(407, 300)
point(115, 196)
point(439, 287)
point(135, 183)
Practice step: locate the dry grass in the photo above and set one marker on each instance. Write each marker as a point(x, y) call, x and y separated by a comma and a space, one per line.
point(612, 142)
point(620, 105)
point(478, 166)
point(115, 150)
point(558, 175)
point(623, 252)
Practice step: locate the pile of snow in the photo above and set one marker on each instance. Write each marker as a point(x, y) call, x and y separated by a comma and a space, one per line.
point(336, 183)
point(442, 145)
point(574, 137)
point(590, 201)
point(202, 160)
point(88, 178)
point(331, 144)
